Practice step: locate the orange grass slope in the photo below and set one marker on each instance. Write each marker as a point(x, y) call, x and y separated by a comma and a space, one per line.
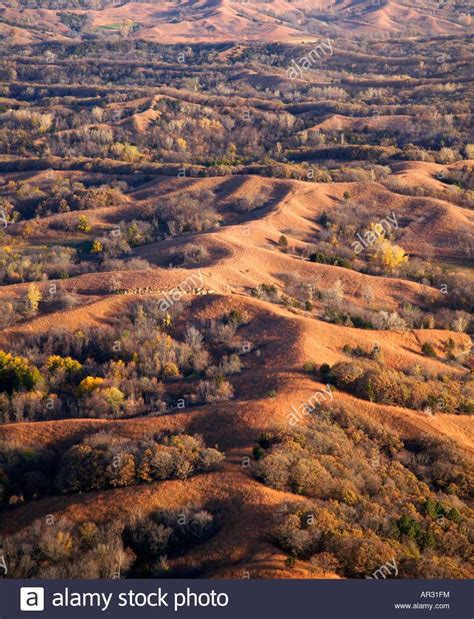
point(244, 253)
point(214, 21)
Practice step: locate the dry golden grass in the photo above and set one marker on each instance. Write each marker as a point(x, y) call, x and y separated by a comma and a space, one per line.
point(244, 256)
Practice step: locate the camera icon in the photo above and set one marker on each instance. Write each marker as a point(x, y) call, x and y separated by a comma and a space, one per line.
point(32, 599)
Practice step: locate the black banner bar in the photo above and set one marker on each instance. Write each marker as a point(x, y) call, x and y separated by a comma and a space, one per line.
point(243, 599)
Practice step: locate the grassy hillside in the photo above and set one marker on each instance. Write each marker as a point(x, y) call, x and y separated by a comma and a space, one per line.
point(236, 290)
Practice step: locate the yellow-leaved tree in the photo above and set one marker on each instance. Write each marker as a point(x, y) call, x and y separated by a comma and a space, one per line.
point(33, 297)
point(388, 256)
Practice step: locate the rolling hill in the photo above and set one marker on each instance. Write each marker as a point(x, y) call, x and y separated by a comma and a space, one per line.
point(212, 21)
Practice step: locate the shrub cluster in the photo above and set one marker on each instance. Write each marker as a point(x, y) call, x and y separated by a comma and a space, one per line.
point(133, 366)
point(165, 534)
point(105, 461)
point(372, 381)
point(370, 499)
point(62, 549)
point(126, 548)
point(102, 461)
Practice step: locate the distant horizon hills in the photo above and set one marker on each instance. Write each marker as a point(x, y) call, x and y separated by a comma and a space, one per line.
point(212, 21)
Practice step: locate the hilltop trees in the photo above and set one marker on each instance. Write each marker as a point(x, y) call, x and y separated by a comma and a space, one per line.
point(102, 461)
point(105, 461)
point(372, 381)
